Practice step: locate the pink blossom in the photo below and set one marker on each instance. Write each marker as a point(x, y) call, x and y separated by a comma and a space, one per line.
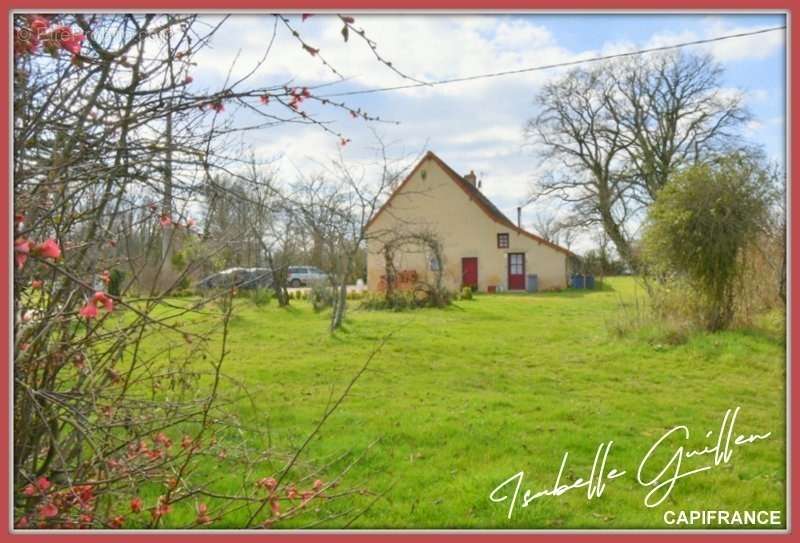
point(105, 299)
point(48, 510)
point(22, 248)
point(48, 249)
point(68, 40)
point(136, 504)
point(268, 482)
point(202, 514)
point(43, 483)
point(89, 311)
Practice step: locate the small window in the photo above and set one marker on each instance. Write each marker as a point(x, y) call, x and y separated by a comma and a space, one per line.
point(434, 263)
point(502, 241)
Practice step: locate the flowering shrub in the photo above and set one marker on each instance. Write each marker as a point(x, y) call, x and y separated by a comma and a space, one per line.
point(115, 399)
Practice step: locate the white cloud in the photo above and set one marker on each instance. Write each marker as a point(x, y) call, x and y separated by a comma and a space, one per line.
point(757, 46)
point(473, 125)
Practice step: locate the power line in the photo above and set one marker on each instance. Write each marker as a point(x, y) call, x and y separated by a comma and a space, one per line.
point(551, 66)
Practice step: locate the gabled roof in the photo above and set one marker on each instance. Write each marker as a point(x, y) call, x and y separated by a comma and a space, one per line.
point(476, 196)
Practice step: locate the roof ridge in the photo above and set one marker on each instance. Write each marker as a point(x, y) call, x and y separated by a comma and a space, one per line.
point(483, 202)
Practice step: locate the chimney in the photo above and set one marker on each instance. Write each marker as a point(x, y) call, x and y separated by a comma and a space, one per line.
point(471, 178)
point(519, 217)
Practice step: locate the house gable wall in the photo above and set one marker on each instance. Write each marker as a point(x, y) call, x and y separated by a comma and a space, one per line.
point(430, 200)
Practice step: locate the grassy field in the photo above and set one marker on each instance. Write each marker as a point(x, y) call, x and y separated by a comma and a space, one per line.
point(461, 399)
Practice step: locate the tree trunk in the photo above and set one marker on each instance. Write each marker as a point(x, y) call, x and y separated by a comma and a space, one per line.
point(339, 305)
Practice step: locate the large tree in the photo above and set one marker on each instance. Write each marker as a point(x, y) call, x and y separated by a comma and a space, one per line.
point(613, 134)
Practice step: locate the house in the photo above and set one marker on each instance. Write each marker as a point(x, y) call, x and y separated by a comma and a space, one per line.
point(436, 211)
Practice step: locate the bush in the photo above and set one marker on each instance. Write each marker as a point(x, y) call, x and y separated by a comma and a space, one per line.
point(261, 296)
point(402, 300)
point(700, 227)
point(321, 296)
point(466, 293)
point(355, 295)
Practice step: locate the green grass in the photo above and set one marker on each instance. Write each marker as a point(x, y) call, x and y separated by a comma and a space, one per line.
point(463, 398)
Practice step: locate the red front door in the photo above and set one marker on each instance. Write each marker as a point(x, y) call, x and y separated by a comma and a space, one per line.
point(469, 272)
point(516, 271)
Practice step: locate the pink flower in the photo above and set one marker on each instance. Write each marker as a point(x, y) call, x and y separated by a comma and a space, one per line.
point(264, 99)
point(48, 510)
point(162, 439)
point(36, 283)
point(89, 311)
point(165, 221)
point(43, 483)
point(268, 482)
point(23, 523)
point(25, 42)
point(318, 485)
point(188, 80)
point(275, 506)
point(105, 299)
point(217, 106)
point(48, 249)
point(38, 24)
point(202, 514)
point(22, 248)
point(117, 522)
point(29, 490)
point(68, 40)
point(136, 504)
point(162, 508)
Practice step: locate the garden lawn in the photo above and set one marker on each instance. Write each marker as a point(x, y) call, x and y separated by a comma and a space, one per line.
point(459, 400)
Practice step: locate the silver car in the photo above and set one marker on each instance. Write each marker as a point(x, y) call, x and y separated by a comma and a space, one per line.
point(300, 276)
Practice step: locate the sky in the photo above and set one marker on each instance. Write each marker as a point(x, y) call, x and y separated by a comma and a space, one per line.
point(476, 125)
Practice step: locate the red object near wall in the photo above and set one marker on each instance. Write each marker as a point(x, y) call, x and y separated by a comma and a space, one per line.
point(516, 271)
point(469, 272)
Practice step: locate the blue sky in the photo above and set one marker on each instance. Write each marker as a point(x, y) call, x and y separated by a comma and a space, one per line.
point(477, 125)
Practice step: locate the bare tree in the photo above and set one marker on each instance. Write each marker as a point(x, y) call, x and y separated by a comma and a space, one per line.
point(335, 207)
point(614, 134)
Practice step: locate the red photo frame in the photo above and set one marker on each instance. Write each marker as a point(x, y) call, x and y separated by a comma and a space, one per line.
point(793, 81)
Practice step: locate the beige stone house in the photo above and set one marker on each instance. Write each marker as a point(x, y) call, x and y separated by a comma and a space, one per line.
point(478, 245)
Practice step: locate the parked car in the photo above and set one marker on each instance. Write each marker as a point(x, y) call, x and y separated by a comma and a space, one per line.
point(238, 277)
point(300, 276)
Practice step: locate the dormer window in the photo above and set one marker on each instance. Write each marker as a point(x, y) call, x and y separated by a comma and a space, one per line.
point(502, 241)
